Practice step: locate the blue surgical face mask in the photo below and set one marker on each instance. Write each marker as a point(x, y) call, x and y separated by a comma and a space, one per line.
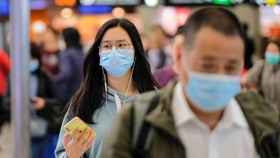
point(33, 65)
point(117, 62)
point(211, 92)
point(272, 58)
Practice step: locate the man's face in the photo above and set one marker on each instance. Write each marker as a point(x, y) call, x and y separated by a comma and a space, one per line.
point(212, 52)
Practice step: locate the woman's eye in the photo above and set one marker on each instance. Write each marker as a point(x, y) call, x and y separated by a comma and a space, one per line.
point(122, 45)
point(107, 46)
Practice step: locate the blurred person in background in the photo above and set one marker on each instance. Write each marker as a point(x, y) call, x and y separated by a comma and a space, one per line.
point(203, 115)
point(146, 42)
point(6, 143)
point(5, 66)
point(159, 53)
point(5, 127)
point(166, 74)
point(46, 109)
point(249, 50)
point(50, 51)
point(70, 63)
point(264, 77)
point(115, 70)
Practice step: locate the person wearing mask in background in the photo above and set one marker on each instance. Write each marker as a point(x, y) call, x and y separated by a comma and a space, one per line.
point(50, 51)
point(46, 115)
point(69, 75)
point(203, 115)
point(159, 54)
point(265, 75)
point(115, 70)
point(6, 143)
point(166, 74)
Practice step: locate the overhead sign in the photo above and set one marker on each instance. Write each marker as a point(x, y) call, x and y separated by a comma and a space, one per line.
point(109, 2)
point(35, 5)
point(203, 2)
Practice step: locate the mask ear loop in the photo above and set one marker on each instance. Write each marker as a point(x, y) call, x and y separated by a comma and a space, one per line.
point(105, 86)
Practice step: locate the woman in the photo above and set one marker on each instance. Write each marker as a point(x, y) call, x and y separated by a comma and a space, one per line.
point(114, 71)
point(265, 75)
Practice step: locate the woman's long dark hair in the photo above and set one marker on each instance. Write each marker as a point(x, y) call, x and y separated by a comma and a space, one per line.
point(90, 95)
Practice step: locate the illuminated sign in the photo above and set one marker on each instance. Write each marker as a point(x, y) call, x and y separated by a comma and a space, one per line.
point(95, 9)
point(203, 2)
point(35, 5)
point(109, 2)
point(4, 8)
point(70, 3)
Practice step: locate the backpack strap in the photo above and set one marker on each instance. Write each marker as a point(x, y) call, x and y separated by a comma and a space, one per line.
point(142, 130)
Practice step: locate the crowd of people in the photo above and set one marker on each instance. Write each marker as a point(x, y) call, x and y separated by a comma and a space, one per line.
point(196, 94)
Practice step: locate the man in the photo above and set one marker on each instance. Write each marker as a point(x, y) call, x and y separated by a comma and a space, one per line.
point(200, 117)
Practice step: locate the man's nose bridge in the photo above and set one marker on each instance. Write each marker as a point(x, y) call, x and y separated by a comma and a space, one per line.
point(222, 68)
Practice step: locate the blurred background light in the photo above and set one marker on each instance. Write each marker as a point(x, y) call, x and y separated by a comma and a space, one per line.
point(118, 12)
point(87, 2)
point(38, 26)
point(66, 13)
point(151, 3)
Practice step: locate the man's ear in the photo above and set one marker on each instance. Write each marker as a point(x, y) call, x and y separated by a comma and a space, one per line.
point(177, 53)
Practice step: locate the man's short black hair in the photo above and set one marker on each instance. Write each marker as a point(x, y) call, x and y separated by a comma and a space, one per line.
point(217, 18)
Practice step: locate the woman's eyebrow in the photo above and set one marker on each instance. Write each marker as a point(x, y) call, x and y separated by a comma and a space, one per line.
point(107, 41)
point(121, 40)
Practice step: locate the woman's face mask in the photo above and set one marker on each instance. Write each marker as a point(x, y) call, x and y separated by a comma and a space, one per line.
point(117, 62)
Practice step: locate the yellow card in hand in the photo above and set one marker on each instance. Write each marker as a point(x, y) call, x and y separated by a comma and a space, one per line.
point(75, 124)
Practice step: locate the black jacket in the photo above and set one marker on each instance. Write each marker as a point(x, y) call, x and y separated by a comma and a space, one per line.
point(53, 112)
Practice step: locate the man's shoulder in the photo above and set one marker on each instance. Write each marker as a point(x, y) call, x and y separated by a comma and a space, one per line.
point(254, 102)
point(162, 96)
point(257, 111)
point(145, 98)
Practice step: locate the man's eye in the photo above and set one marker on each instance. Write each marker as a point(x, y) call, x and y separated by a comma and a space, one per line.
point(231, 69)
point(208, 67)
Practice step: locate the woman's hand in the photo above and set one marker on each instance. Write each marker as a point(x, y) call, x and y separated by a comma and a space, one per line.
point(78, 143)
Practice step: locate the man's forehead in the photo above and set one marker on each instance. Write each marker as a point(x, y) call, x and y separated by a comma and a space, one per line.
point(210, 41)
point(215, 59)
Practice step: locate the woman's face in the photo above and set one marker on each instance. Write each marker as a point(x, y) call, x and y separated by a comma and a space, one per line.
point(272, 48)
point(116, 37)
point(116, 52)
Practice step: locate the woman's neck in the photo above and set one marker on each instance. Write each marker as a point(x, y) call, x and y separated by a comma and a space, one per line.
point(124, 84)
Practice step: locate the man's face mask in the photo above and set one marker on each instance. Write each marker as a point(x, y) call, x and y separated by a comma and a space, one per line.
point(211, 92)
